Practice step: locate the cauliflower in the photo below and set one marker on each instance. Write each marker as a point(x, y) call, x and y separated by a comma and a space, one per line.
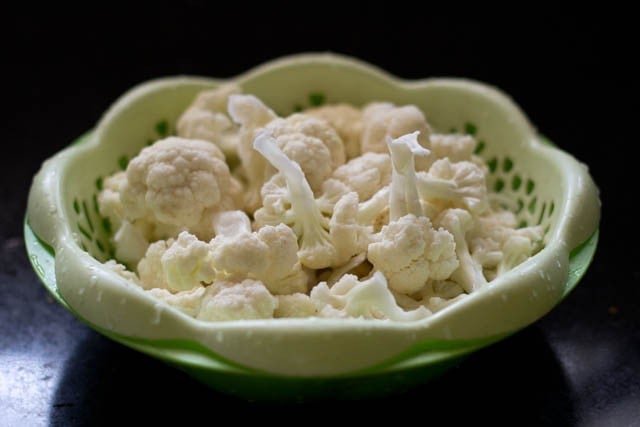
point(109, 198)
point(187, 263)
point(332, 194)
point(462, 184)
point(455, 147)
point(251, 114)
point(177, 264)
point(177, 184)
point(369, 299)
point(295, 305)
point(469, 272)
point(403, 198)
point(409, 252)
point(498, 246)
point(122, 271)
point(296, 207)
point(365, 174)
point(311, 143)
point(187, 302)
point(150, 268)
point(268, 255)
point(346, 120)
point(130, 242)
point(206, 119)
point(382, 120)
point(248, 299)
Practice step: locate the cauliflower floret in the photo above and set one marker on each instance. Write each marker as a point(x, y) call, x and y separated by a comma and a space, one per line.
point(311, 143)
point(382, 120)
point(461, 184)
point(295, 305)
point(122, 271)
point(177, 264)
point(150, 268)
point(206, 119)
point(296, 207)
point(251, 114)
point(248, 299)
point(346, 120)
point(187, 302)
point(349, 237)
point(496, 244)
point(455, 147)
point(365, 174)
point(369, 299)
point(268, 255)
point(409, 251)
point(179, 184)
point(469, 273)
point(130, 242)
point(109, 198)
point(187, 263)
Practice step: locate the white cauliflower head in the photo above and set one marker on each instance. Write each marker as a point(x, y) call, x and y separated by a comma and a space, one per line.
point(409, 252)
point(206, 119)
point(455, 147)
point(295, 305)
point(150, 268)
point(177, 264)
point(365, 174)
point(460, 184)
point(311, 143)
point(348, 236)
point(187, 263)
point(187, 302)
point(268, 255)
point(347, 121)
point(180, 183)
point(248, 299)
point(369, 299)
point(382, 120)
point(251, 114)
point(469, 273)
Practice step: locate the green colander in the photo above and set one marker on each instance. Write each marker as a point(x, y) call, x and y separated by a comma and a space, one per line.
point(67, 238)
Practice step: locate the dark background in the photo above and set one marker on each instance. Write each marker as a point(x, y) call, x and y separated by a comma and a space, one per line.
point(571, 72)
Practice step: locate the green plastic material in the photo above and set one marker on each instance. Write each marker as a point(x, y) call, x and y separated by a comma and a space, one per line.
point(66, 239)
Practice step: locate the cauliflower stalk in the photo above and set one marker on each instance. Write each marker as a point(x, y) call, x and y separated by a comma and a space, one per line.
point(409, 251)
point(323, 243)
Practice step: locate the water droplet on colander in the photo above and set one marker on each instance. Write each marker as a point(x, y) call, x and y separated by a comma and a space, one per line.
point(157, 314)
point(219, 336)
point(93, 280)
point(81, 291)
point(99, 296)
point(558, 263)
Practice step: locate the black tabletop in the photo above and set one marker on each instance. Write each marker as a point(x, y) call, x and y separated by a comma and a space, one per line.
point(579, 365)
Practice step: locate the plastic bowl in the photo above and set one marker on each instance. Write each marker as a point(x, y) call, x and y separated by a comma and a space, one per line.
point(67, 239)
